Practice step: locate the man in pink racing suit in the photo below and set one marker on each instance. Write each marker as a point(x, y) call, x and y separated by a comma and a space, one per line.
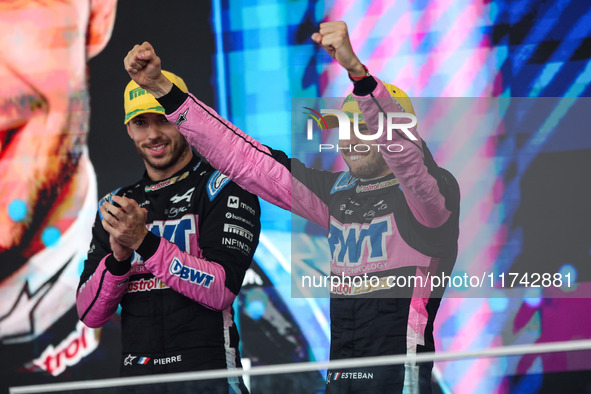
point(393, 214)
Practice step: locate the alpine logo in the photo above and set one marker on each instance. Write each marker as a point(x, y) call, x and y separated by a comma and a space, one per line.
point(190, 274)
point(187, 196)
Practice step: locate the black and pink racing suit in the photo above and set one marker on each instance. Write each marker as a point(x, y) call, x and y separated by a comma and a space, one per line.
point(405, 224)
point(177, 290)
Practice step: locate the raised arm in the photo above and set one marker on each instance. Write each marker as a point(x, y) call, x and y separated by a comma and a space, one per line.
point(430, 191)
point(255, 167)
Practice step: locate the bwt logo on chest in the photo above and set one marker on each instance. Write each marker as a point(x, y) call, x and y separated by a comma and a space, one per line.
point(351, 244)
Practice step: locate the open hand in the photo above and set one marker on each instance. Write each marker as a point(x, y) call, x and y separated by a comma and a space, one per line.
point(120, 252)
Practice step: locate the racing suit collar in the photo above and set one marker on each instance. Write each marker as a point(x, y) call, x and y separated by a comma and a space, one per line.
point(191, 166)
point(381, 178)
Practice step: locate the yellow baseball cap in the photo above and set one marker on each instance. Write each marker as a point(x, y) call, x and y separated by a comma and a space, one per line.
point(351, 106)
point(138, 101)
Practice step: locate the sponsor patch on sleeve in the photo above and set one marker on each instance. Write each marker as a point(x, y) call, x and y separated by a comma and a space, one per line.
point(216, 182)
point(190, 274)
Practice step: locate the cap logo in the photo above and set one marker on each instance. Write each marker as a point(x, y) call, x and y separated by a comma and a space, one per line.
point(137, 100)
point(134, 93)
point(348, 99)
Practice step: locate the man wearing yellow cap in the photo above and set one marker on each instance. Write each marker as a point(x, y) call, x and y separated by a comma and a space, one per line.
point(394, 214)
point(172, 250)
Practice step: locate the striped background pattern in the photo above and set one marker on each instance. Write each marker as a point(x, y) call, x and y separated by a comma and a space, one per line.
point(450, 50)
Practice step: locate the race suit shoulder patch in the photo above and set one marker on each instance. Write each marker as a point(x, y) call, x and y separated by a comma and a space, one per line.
point(345, 181)
point(216, 182)
point(109, 198)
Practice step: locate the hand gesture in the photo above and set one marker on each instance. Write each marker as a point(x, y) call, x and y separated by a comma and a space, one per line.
point(144, 67)
point(120, 252)
point(334, 38)
point(126, 223)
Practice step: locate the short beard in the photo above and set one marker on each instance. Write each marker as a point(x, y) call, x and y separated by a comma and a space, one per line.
point(177, 154)
point(373, 169)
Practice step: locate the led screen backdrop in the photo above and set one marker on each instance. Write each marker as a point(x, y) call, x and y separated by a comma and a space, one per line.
point(59, 58)
point(522, 198)
point(525, 188)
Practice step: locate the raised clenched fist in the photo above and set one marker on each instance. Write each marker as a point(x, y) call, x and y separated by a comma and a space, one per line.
point(144, 67)
point(334, 38)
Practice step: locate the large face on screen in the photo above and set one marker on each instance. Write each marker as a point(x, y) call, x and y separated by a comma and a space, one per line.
point(43, 110)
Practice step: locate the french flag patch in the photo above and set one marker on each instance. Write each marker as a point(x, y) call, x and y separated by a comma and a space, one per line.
point(143, 360)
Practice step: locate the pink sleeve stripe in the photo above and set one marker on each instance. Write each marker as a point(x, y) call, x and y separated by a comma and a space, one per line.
point(98, 298)
point(244, 160)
